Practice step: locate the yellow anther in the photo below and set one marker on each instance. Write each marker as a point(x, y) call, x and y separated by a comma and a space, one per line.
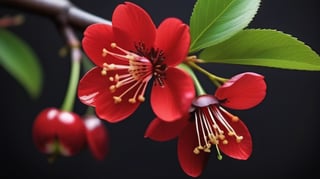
point(230, 133)
point(118, 84)
point(112, 88)
point(207, 150)
point(111, 78)
point(213, 139)
point(221, 136)
point(117, 99)
point(104, 72)
point(239, 138)
point(196, 151)
point(130, 57)
point(132, 100)
point(235, 118)
point(111, 66)
point(141, 98)
point(104, 52)
point(200, 147)
point(113, 45)
point(225, 141)
point(116, 77)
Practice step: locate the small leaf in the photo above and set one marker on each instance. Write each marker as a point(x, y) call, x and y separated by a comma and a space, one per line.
point(20, 61)
point(214, 21)
point(264, 47)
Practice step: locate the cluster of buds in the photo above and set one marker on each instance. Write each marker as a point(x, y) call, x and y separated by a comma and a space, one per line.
point(63, 133)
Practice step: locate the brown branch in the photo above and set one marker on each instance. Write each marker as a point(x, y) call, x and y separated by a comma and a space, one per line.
point(61, 11)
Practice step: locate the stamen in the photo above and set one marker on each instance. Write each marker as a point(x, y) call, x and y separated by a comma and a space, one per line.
point(135, 70)
point(104, 72)
point(219, 116)
point(213, 139)
point(202, 119)
point(117, 99)
point(208, 122)
point(233, 117)
point(196, 150)
point(207, 148)
point(128, 55)
point(239, 138)
point(112, 88)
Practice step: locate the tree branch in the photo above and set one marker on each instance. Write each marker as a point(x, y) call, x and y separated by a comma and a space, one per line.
point(61, 11)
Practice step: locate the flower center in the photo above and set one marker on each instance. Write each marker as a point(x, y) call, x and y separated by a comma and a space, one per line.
point(212, 126)
point(135, 70)
point(156, 57)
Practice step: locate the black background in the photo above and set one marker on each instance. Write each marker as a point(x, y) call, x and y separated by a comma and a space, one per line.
point(284, 126)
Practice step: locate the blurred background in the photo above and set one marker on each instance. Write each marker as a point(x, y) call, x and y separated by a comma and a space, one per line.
point(284, 127)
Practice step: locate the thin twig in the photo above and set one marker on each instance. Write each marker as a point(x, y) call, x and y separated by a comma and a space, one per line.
point(58, 10)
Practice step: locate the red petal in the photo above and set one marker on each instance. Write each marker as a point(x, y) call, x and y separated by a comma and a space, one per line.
point(96, 37)
point(97, 136)
point(108, 110)
point(132, 24)
point(242, 91)
point(92, 85)
point(241, 150)
point(160, 130)
point(173, 38)
point(173, 100)
point(94, 90)
point(44, 130)
point(70, 132)
point(191, 163)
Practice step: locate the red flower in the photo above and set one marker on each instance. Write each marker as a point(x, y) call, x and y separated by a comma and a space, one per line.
point(127, 56)
point(210, 124)
point(58, 132)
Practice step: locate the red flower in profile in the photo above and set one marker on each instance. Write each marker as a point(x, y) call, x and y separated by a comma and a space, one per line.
point(59, 132)
point(64, 133)
point(209, 125)
point(128, 55)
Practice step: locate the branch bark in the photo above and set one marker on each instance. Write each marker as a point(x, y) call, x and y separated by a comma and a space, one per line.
point(61, 11)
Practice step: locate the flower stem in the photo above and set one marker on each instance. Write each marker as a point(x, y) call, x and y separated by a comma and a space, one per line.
point(197, 84)
point(68, 102)
point(72, 88)
point(215, 79)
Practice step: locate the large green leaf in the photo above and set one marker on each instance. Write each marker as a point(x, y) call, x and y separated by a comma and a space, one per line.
point(214, 21)
point(20, 61)
point(263, 47)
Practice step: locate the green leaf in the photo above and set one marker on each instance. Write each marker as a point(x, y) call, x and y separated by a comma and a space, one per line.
point(20, 61)
point(264, 47)
point(214, 21)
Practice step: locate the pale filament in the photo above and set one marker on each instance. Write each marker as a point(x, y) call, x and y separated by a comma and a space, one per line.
point(199, 147)
point(138, 73)
point(219, 133)
point(231, 131)
point(209, 131)
point(204, 132)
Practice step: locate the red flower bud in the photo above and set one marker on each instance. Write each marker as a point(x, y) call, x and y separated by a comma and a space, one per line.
point(58, 132)
point(97, 137)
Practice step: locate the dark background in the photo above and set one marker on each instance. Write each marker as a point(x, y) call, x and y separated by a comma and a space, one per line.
point(284, 126)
